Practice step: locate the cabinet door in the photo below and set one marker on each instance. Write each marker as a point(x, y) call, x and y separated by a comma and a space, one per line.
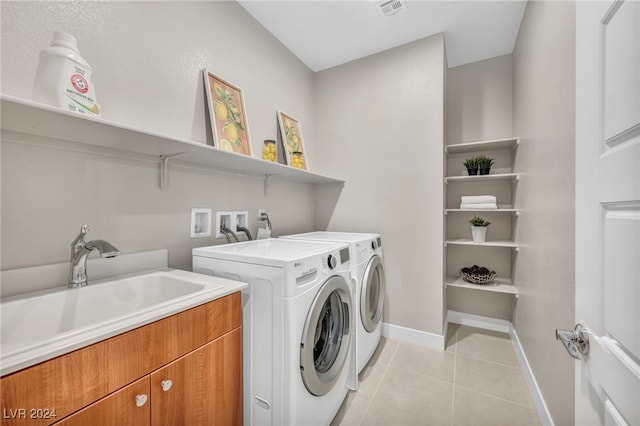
point(126, 407)
point(203, 387)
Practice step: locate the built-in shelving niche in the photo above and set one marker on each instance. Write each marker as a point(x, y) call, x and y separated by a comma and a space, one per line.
point(500, 249)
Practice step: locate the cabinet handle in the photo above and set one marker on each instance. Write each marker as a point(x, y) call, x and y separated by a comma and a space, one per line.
point(166, 385)
point(141, 400)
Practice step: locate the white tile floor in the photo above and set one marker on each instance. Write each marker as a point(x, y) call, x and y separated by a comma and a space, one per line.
point(476, 381)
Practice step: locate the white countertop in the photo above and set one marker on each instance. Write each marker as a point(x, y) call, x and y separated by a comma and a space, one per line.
point(42, 325)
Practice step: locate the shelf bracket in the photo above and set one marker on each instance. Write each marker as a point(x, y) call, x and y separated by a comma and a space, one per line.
point(164, 169)
point(266, 185)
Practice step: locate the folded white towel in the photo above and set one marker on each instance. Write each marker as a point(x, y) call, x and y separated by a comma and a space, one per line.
point(488, 206)
point(478, 199)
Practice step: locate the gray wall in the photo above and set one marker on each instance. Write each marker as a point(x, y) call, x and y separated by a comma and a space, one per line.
point(147, 59)
point(479, 101)
point(544, 117)
point(380, 120)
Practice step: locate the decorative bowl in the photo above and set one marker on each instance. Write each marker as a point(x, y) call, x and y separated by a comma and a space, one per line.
point(478, 275)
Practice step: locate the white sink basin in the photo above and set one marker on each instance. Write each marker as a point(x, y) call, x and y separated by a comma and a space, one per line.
point(41, 326)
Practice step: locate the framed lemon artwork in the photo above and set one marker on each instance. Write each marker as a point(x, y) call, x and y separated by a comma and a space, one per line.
point(291, 134)
point(227, 114)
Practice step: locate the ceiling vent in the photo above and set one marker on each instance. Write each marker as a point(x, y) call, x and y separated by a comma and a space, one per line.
point(393, 7)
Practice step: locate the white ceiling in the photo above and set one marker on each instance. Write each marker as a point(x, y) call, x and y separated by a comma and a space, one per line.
point(326, 33)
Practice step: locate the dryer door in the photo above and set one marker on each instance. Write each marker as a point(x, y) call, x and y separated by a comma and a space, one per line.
point(325, 337)
point(372, 294)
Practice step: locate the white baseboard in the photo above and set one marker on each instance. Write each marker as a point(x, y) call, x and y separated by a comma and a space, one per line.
point(541, 406)
point(479, 321)
point(416, 337)
point(505, 326)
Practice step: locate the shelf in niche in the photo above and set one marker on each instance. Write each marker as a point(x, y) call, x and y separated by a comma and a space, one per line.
point(506, 177)
point(501, 285)
point(496, 144)
point(515, 212)
point(468, 242)
point(60, 128)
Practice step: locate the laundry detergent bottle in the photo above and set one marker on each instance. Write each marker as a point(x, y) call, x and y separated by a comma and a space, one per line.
point(64, 79)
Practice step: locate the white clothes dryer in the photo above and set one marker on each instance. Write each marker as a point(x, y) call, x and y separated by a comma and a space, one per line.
point(367, 270)
point(296, 326)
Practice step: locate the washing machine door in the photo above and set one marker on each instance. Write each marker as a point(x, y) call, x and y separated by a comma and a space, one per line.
point(372, 294)
point(325, 337)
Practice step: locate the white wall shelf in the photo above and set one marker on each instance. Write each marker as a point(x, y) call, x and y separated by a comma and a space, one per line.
point(469, 242)
point(506, 177)
point(64, 129)
point(501, 285)
point(490, 145)
point(515, 212)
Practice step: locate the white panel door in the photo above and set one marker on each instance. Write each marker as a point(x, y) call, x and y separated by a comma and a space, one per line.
point(608, 210)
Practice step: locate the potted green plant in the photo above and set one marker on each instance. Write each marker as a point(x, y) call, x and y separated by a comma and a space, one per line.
point(479, 229)
point(472, 166)
point(484, 164)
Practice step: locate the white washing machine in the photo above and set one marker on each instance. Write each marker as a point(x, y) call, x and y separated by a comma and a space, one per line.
point(368, 272)
point(296, 326)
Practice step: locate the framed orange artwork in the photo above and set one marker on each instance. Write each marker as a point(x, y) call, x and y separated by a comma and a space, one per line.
point(227, 115)
point(291, 133)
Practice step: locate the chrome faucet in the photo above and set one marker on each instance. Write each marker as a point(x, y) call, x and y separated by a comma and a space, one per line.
point(80, 251)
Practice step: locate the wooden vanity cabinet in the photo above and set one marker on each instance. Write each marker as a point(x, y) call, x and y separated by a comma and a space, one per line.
point(199, 351)
point(119, 408)
point(182, 393)
point(205, 388)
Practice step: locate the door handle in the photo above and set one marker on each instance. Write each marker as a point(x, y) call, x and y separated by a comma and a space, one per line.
point(576, 341)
